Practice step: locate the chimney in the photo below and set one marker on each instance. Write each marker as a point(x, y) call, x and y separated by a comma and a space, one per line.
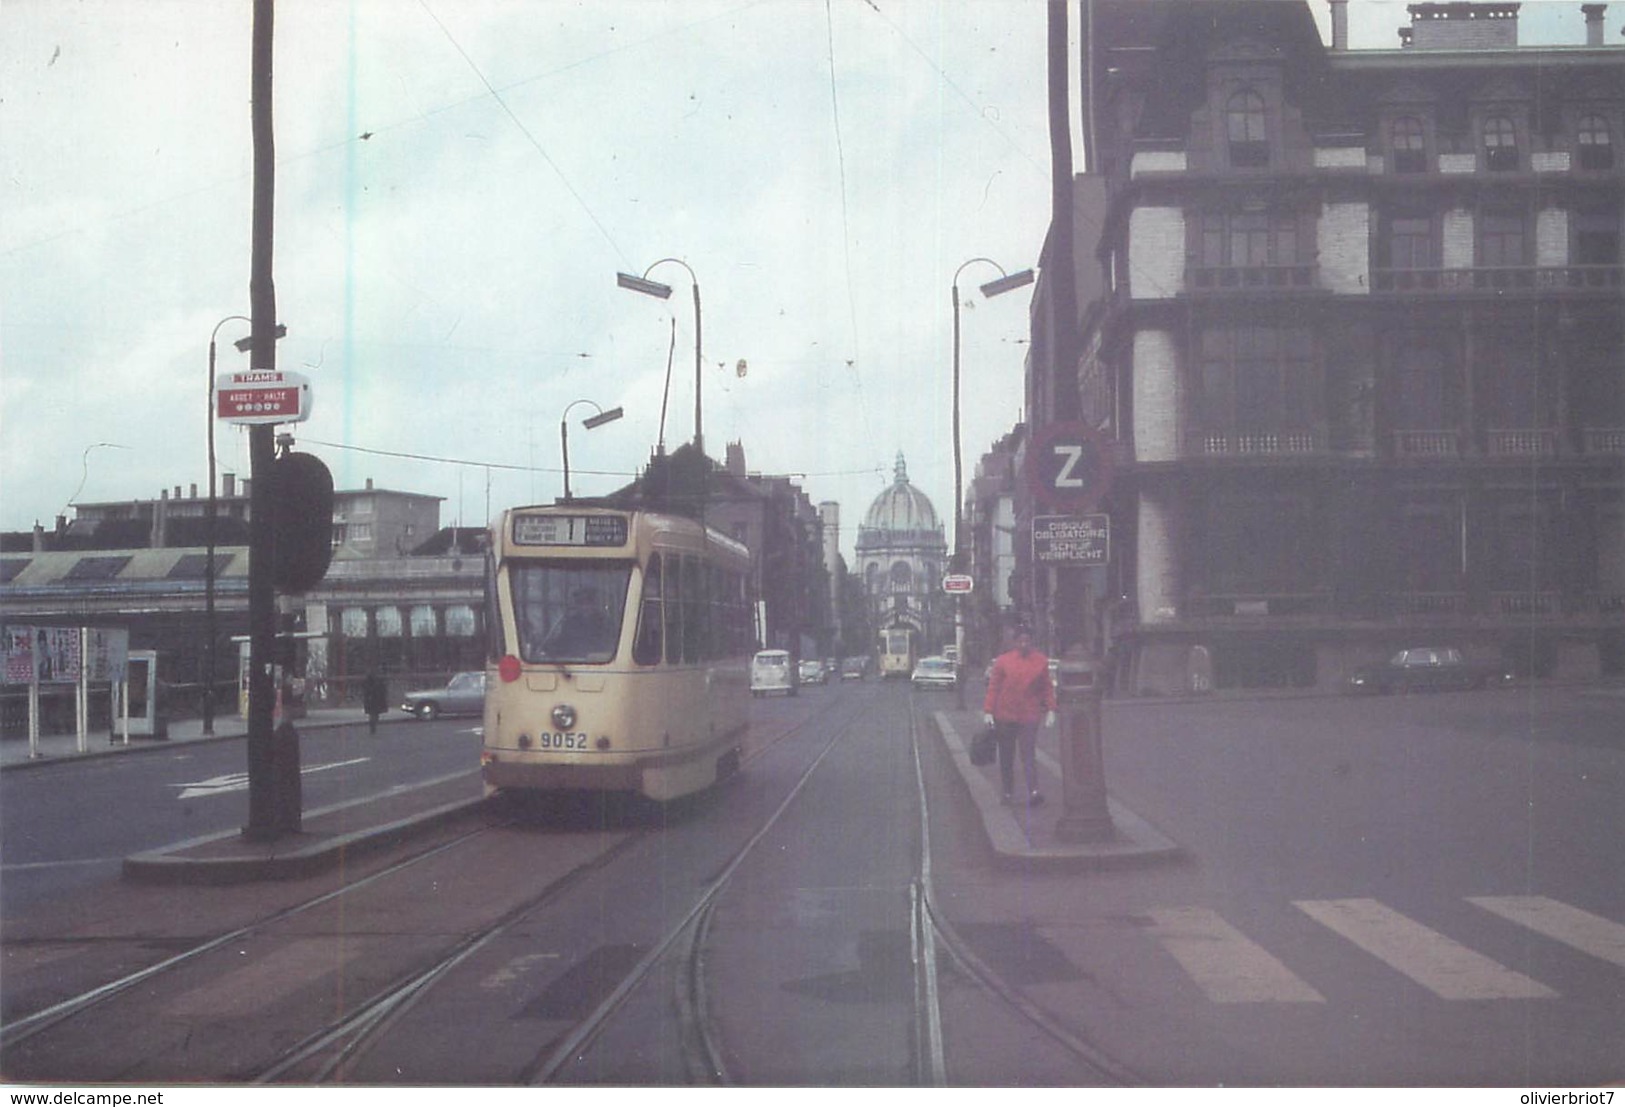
point(1463, 25)
point(39, 537)
point(1340, 24)
point(735, 461)
point(229, 484)
point(1593, 14)
point(369, 484)
point(193, 494)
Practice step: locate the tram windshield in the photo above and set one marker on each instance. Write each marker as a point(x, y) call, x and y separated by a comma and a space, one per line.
point(567, 611)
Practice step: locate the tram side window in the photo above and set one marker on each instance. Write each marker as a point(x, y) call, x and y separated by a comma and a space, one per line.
point(569, 611)
point(649, 643)
point(695, 630)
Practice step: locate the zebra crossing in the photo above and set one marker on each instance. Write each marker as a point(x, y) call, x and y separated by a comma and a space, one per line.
point(1230, 967)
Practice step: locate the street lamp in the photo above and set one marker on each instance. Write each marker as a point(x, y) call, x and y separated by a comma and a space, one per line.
point(590, 422)
point(663, 292)
point(1006, 282)
point(208, 567)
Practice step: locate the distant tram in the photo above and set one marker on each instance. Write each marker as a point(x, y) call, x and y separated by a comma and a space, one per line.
point(620, 652)
point(896, 653)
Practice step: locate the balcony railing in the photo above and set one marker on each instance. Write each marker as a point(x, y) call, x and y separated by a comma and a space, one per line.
point(1250, 278)
point(1256, 443)
point(1526, 603)
point(1500, 278)
point(1605, 440)
point(1427, 443)
point(1427, 603)
point(1257, 605)
point(1521, 442)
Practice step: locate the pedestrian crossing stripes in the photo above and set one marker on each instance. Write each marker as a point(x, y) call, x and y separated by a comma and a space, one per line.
point(1229, 967)
point(1224, 962)
point(1443, 966)
point(1584, 931)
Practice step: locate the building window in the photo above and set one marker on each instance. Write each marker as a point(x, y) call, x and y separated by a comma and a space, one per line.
point(1596, 145)
point(1407, 145)
point(1257, 380)
point(901, 574)
point(1260, 545)
point(353, 622)
point(1248, 239)
point(1502, 239)
point(1596, 237)
point(1245, 130)
point(1500, 144)
point(389, 622)
point(1407, 242)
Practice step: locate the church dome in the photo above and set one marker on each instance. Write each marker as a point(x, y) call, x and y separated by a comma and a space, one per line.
point(902, 508)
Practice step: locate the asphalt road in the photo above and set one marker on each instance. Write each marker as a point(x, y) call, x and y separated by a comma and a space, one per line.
point(70, 824)
point(1418, 891)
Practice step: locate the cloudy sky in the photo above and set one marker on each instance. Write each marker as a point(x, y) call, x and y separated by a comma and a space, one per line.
point(457, 184)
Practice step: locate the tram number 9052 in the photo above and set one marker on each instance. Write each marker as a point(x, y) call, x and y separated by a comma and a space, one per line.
point(562, 740)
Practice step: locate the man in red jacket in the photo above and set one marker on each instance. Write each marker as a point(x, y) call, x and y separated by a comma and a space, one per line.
point(1020, 694)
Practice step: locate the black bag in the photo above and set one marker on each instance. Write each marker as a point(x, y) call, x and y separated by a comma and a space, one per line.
point(983, 749)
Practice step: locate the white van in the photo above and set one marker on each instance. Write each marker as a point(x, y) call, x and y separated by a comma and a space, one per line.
point(770, 672)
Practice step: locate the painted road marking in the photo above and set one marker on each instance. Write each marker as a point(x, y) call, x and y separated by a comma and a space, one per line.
point(1227, 965)
point(1582, 930)
point(238, 782)
point(1444, 967)
point(264, 980)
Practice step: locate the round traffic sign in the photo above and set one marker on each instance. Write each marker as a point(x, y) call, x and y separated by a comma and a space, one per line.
point(1069, 466)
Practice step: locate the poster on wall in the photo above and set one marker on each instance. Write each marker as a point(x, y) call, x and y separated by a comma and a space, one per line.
point(19, 647)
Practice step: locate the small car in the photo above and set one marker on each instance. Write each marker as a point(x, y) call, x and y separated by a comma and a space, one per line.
point(934, 672)
point(813, 672)
point(854, 668)
point(1428, 667)
point(464, 694)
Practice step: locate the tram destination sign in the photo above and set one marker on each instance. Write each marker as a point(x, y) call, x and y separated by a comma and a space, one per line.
point(1072, 539)
point(569, 530)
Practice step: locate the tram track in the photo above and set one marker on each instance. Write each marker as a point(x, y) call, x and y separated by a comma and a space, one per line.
point(973, 968)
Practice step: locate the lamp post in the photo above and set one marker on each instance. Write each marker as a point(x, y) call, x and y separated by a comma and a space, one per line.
point(1006, 282)
point(589, 423)
point(208, 568)
point(663, 292)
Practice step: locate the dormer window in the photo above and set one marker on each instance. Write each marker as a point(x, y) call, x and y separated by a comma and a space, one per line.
point(1245, 131)
point(1408, 145)
point(1500, 144)
point(1596, 145)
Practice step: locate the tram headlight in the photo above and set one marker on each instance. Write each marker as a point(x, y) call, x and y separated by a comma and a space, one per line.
point(564, 716)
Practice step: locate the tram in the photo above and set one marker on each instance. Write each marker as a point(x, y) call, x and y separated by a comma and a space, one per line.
point(896, 653)
point(620, 652)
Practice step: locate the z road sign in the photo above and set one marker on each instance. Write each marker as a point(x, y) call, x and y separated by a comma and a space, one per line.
point(1069, 466)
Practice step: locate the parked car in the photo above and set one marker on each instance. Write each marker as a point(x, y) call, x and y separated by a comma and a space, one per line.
point(813, 672)
point(854, 668)
point(934, 672)
point(1428, 667)
point(770, 672)
point(464, 694)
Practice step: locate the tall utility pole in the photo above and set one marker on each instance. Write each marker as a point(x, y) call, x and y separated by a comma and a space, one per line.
point(265, 817)
point(1066, 600)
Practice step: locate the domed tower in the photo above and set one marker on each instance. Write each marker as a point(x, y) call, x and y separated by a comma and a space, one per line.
point(901, 556)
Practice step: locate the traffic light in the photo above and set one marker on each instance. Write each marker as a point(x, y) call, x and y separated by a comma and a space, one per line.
point(301, 522)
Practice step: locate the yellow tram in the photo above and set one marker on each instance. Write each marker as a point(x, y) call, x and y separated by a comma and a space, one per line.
point(620, 644)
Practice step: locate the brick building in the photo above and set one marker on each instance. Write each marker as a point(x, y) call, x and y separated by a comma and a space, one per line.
point(1359, 348)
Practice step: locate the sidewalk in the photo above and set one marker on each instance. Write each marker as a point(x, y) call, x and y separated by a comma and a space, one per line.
point(1025, 836)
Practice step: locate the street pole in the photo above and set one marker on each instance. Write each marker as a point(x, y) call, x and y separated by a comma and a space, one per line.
point(264, 822)
point(959, 523)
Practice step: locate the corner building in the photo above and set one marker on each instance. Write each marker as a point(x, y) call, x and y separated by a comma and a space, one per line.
point(1360, 344)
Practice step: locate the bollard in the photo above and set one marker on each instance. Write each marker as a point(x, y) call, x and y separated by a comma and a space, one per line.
point(1085, 815)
